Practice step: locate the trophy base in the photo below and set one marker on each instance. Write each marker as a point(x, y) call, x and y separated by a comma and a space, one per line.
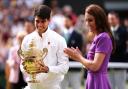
point(33, 81)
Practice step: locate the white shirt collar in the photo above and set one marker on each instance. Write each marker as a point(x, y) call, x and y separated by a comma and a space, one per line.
point(43, 34)
point(114, 28)
point(71, 30)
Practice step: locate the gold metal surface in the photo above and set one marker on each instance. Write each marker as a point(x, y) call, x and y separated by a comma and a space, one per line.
point(30, 57)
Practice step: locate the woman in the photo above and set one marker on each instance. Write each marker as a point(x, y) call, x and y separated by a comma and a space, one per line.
point(100, 50)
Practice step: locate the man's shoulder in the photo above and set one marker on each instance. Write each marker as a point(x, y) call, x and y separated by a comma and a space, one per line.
point(122, 29)
point(55, 35)
point(57, 38)
point(30, 34)
point(77, 34)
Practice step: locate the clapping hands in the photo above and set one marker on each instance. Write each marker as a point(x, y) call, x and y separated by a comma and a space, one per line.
point(73, 53)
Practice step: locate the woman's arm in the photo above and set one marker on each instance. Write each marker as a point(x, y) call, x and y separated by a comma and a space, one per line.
point(92, 65)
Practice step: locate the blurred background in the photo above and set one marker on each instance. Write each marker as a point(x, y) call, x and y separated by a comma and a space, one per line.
point(16, 19)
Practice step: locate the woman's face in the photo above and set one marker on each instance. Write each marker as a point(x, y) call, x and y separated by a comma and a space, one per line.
point(90, 22)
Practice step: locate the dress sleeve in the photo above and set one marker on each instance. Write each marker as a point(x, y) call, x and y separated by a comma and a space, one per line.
point(103, 45)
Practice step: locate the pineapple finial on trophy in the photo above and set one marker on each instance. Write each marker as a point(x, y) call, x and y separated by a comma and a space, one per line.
point(32, 44)
point(31, 57)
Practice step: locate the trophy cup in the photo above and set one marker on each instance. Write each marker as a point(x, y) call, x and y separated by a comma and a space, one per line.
point(30, 57)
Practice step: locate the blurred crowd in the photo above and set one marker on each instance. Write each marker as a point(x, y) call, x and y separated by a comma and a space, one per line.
point(16, 17)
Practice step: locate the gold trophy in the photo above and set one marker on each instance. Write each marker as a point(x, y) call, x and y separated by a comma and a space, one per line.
point(30, 58)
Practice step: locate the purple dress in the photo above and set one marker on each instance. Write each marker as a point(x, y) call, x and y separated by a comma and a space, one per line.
point(99, 79)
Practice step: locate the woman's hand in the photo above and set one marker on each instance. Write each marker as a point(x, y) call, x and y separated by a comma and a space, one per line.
point(73, 53)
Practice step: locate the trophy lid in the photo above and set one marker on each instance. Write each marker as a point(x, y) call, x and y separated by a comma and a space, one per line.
point(32, 44)
point(33, 51)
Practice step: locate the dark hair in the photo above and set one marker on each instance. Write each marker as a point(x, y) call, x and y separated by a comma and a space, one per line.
point(101, 20)
point(42, 11)
point(5, 37)
point(114, 13)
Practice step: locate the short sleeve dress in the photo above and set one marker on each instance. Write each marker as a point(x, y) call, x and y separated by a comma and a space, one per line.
point(99, 80)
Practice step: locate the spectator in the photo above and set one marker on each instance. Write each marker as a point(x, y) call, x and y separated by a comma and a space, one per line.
point(74, 39)
point(28, 26)
point(118, 75)
point(16, 78)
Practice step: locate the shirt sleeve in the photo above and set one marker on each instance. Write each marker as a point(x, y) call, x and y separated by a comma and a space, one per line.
point(63, 62)
point(103, 45)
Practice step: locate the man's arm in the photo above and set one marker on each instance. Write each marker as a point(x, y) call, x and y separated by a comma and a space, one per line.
point(63, 62)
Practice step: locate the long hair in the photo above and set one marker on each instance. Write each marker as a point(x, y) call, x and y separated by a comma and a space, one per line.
point(101, 20)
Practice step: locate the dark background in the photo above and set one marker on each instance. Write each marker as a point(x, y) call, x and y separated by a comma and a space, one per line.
point(79, 5)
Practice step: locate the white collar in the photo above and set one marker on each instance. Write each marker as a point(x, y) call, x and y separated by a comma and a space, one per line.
point(71, 29)
point(43, 34)
point(114, 28)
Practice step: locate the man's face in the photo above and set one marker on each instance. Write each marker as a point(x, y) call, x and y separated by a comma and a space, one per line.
point(29, 27)
point(126, 22)
point(41, 24)
point(113, 20)
point(68, 23)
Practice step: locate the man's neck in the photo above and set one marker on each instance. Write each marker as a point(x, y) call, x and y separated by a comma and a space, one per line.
point(114, 28)
point(41, 32)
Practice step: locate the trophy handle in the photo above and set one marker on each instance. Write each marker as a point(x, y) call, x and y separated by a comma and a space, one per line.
point(44, 53)
point(19, 52)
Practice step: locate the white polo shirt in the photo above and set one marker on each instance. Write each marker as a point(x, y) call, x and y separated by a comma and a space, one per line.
point(56, 59)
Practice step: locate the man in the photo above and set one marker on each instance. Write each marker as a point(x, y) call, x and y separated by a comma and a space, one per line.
point(55, 62)
point(74, 39)
point(118, 75)
point(28, 26)
point(126, 26)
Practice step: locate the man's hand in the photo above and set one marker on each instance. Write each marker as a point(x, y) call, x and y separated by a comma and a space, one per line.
point(42, 68)
point(38, 67)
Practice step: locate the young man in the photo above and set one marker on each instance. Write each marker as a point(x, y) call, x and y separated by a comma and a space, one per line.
point(56, 62)
point(118, 76)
